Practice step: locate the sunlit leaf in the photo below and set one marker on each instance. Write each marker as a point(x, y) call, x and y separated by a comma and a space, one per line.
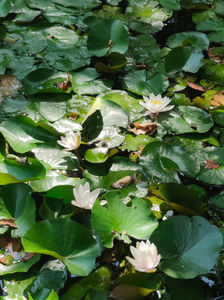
point(181, 242)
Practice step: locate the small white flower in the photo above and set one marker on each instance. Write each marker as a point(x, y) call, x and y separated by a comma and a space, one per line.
point(156, 104)
point(145, 255)
point(71, 141)
point(83, 197)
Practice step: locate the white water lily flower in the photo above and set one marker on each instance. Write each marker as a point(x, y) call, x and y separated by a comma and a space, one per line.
point(71, 141)
point(145, 255)
point(83, 197)
point(156, 104)
point(108, 138)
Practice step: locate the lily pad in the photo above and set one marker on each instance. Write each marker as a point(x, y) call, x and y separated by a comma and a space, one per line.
point(23, 134)
point(181, 242)
point(45, 80)
point(5, 7)
point(99, 279)
point(196, 39)
point(78, 257)
point(108, 36)
point(52, 275)
point(188, 119)
point(184, 58)
point(19, 266)
point(166, 161)
point(21, 205)
point(139, 82)
point(218, 200)
point(119, 220)
point(12, 171)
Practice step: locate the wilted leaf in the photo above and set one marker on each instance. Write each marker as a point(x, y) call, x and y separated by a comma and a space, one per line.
point(195, 86)
point(210, 164)
point(144, 128)
point(218, 99)
point(10, 222)
point(8, 86)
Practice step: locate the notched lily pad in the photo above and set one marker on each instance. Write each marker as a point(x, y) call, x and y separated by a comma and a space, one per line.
point(188, 119)
point(162, 162)
point(120, 220)
point(79, 257)
point(181, 242)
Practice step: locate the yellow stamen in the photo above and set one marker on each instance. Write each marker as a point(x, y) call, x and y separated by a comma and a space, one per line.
point(156, 102)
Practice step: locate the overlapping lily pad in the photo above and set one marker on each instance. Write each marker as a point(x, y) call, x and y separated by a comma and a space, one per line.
point(121, 221)
point(181, 241)
point(78, 256)
point(162, 162)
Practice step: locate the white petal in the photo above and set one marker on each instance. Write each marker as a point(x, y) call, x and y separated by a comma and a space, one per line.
point(63, 144)
point(167, 108)
point(94, 194)
point(134, 252)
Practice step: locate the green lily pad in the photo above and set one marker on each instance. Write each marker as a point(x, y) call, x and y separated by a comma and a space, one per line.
point(140, 279)
point(23, 134)
point(189, 119)
point(213, 71)
point(21, 205)
point(5, 7)
point(45, 80)
point(181, 241)
point(12, 171)
point(196, 39)
point(52, 275)
point(218, 200)
point(148, 12)
point(92, 125)
point(129, 104)
point(79, 4)
point(113, 114)
point(85, 82)
point(208, 174)
point(55, 157)
point(165, 161)
point(99, 279)
point(65, 125)
point(79, 257)
point(141, 45)
point(186, 289)
point(192, 196)
point(139, 82)
point(133, 143)
point(96, 155)
point(52, 179)
point(208, 20)
point(19, 266)
point(217, 36)
point(108, 36)
point(65, 38)
point(171, 4)
point(184, 58)
point(121, 221)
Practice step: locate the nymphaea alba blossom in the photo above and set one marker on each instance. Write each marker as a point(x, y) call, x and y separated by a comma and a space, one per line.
point(71, 141)
point(146, 257)
point(83, 197)
point(156, 104)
